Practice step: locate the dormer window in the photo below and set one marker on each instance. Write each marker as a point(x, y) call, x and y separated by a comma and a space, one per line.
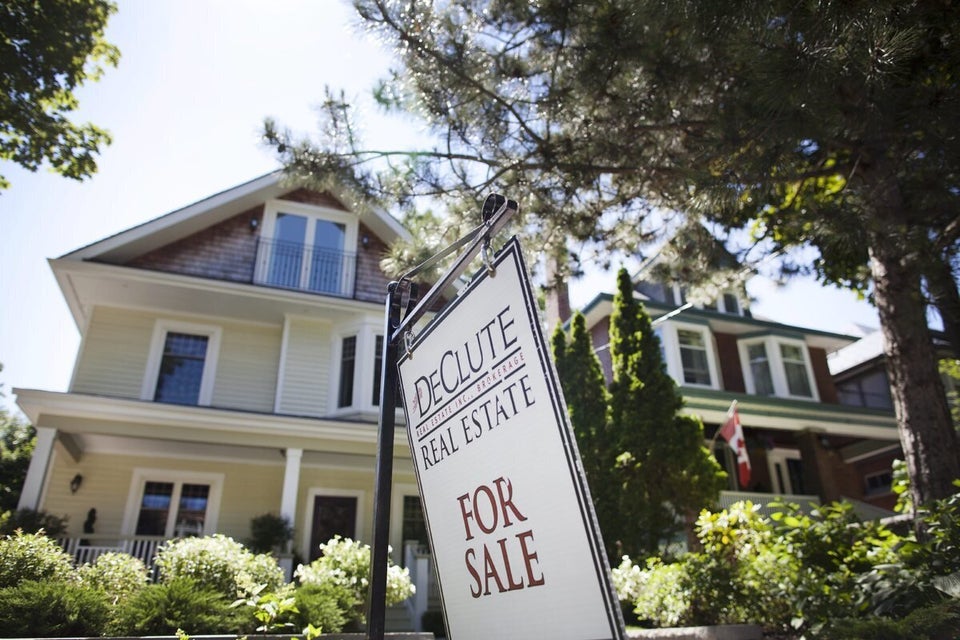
point(308, 248)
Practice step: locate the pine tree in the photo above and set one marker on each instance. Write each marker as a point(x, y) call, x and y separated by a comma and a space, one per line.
point(585, 391)
point(823, 125)
point(662, 468)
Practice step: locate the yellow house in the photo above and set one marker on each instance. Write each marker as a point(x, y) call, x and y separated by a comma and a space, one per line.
point(228, 367)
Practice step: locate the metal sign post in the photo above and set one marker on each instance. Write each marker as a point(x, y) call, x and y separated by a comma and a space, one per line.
point(497, 211)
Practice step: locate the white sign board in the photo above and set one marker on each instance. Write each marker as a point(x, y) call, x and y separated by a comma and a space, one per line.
point(511, 525)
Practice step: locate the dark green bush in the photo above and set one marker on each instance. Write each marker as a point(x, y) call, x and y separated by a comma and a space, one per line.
point(182, 603)
point(322, 605)
point(32, 521)
point(937, 622)
point(269, 532)
point(32, 556)
point(35, 609)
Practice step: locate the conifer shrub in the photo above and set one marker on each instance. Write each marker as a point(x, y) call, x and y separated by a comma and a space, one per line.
point(32, 556)
point(179, 603)
point(324, 605)
point(218, 562)
point(56, 608)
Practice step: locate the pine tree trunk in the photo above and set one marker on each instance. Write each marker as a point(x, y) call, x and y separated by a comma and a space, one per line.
point(943, 291)
point(926, 434)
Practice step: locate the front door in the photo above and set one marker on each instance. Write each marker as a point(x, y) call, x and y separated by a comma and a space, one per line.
point(332, 516)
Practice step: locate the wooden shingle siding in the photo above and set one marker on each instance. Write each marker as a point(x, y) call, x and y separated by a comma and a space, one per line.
point(315, 198)
point(371, 283)
point(225, 251)
point(247, 367)
point(305, 379)
point(114, 353)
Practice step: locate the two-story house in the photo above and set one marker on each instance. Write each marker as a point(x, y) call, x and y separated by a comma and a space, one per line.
point(804, 444)
point(228, 367)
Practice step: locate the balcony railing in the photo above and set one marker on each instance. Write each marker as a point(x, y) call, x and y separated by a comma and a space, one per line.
point(304, 267)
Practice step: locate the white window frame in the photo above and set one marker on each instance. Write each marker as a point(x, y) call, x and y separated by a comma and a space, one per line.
point(777, 371)
point(313, 213)
point(160, 330)
point(670, 340)
point(366, 334)
point(139, 481)
point(779, 457)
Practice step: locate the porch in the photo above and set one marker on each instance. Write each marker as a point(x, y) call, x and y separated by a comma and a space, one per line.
point(87, 548)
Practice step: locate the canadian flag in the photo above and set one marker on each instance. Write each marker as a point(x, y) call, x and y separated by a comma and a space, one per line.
point(732, 432)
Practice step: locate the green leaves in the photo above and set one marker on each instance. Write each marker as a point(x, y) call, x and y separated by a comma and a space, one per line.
point(47, 51)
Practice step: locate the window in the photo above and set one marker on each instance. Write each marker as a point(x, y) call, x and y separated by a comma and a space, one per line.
point(786, 471)
point(348, 364)
point(777, 366)
point(307, 247)
point(688, 353)
point(171, 504)
point(878, 483)
point(377, 370)
point(795, 367)
point(181, 368)
point(760, 369)
point(182, 363)
point(731, 304)
point(693, 357)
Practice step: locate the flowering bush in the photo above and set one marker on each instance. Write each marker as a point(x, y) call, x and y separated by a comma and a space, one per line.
point(346, 563)
point(119, 575)
point(218, 562)
point(32, 556)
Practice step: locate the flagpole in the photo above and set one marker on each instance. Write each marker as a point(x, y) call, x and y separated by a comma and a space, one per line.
point(716, 434)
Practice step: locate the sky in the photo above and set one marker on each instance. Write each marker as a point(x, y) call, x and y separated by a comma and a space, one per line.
point(185, 108)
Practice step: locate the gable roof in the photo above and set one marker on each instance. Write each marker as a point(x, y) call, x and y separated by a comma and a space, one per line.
point(181, 223)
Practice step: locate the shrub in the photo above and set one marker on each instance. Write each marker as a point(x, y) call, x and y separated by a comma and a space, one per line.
point(32, 556)
point(346, 563)
point(50, 609)
point(181, 603)
point(269, 532)
point(32, 521)
point(323, 605)
point(119, 575)
point(220, 563)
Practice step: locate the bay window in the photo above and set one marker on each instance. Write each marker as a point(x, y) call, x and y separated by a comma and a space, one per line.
point(777, 366)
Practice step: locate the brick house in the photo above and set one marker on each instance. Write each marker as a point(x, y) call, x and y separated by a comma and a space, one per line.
point(805, 442)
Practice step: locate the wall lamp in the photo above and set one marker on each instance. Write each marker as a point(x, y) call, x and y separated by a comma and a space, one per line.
point(75, 483)
point(365, 241)
point(254, 223)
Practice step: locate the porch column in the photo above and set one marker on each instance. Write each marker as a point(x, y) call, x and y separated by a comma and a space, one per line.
point(291, 485)
point(824, 471)
point(37, 472)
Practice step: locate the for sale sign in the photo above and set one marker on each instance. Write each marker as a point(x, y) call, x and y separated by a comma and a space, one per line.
point(508, 512)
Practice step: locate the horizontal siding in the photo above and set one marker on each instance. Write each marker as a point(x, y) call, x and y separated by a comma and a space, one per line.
point(114, 354)
point(305, 379)
point(249, 490)
point(116, 349)
point(247, 367)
